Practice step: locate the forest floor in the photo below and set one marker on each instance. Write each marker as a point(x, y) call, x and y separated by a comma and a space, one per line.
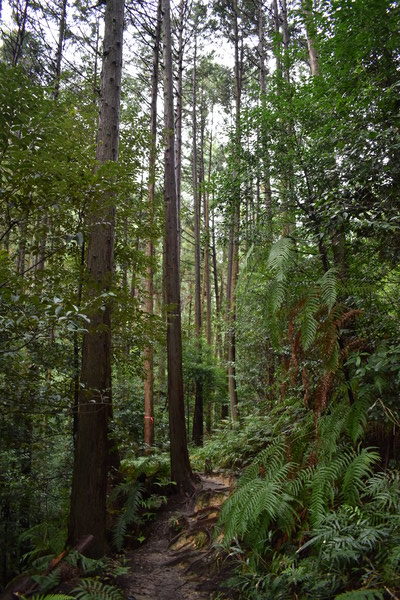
point(177, 561)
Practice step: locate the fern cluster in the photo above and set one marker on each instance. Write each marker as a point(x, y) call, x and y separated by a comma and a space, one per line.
point(314, 495)
point(142, 474)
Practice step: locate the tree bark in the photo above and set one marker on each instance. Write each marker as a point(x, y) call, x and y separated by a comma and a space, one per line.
point(149, 285)
point(60, 46)
point(311, 34)
point(198, 403)
point(92, 452)
point(233, 255)
point(181, 471)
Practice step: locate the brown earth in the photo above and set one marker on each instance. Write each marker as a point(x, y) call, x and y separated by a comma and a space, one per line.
point(178, 561)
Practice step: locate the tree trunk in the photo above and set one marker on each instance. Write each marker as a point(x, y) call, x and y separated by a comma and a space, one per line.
point(311, 34)
point(149, 302)
point(233, 256)
point(92, 452)
point(21, 19)
point(181, 471)
point(198, 403)
point(60, 46)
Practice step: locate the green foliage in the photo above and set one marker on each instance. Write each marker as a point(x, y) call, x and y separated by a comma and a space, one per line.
point(362, 595)
point(130, 511)
point(144, 475)
point(232, 448)
point(93, 589)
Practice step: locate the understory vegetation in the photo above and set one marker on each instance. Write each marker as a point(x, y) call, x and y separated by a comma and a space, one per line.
point(208, 284)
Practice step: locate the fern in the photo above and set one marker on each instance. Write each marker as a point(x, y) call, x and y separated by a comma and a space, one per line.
point(362, 595)
point(357, 419)
point(309, 324)
point(49, 581)
point(260, 496)
point(129, 513)
point(89, 566)
point(92, 589)
point(276, 295)
point(279, 255)
point(356, 473)
point(328, 288)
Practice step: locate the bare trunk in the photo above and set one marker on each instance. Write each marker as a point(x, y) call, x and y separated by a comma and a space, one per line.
point(311, 35)
point(92, 452)
point(233, 256)
point(178, 112)
point(149, 302)
point(198, 404)
point(60, 46)
point(21, 18)
point(180, 466)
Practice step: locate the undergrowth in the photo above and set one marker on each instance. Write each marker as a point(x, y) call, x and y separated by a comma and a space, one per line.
point(312, 517)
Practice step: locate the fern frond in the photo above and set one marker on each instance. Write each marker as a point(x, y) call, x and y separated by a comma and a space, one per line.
point(280, 254)
point(309, 326)
point(357, 419)
point(323, 485)
point(49, 581)
point(92, 589)
point(328, 287)
point(331, 427)
point(128, 514)
point(257, 499)
point(356, 473)
point(276, 295)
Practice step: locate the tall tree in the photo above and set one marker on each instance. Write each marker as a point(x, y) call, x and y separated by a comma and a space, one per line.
point(92, 451)
point(198, 405)
point(149, 301)
point(180, 465)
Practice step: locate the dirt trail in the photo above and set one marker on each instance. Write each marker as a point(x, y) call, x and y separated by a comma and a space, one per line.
point(169, 566)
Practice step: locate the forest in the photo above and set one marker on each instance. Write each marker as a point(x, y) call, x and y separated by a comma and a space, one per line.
point(199, 295)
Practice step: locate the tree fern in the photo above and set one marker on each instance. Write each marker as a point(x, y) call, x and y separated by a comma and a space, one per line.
point(92, 589)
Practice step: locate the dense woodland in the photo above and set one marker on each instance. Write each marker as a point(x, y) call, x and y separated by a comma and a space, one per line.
point(199, 270)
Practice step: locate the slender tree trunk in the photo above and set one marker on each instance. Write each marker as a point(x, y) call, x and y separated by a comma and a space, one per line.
point(233, 253)
point(207, 282)
point(285, 34)
point(180, 466)
point(178, 111)
point(311, 35)
point(92, 452)
point(277, 34)
point(149, 302)
point(21, 18)
point(198, 403)
point(265, 178)
point(60, 46)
